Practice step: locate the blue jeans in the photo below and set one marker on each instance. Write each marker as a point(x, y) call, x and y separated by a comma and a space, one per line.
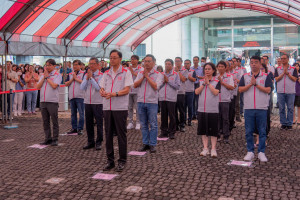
point(259, 118)
point(286, 118)
point(189, 98)
point(77, 104)
point(148, 115)
point(31, 98)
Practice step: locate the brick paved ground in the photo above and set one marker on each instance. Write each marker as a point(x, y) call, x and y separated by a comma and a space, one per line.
point(164, 175)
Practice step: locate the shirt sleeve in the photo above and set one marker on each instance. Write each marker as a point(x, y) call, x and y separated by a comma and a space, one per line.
point(102, 81)
point(41, 78)
point(128, 79)
point(176, 84)
point(276, 73)
point(58, 79)
point(268, 82)
point(95, 84)
point(83, 85)
point(242, 82)
point(159, 81)
point(231, 82)
point(295, 74)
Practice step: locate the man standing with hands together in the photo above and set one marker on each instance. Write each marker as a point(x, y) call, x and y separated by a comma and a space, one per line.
point(115, 86)
point(147, 83)
point(49, 85)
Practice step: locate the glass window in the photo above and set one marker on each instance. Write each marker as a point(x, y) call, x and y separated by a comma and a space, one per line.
point(219, 38)
point(286, 36)
point(252, 21)
point(219, 22)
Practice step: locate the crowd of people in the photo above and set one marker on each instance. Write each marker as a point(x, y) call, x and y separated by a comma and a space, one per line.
point(215, 95)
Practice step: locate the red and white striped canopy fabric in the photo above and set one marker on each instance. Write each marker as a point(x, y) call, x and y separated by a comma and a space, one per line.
point(113, 23)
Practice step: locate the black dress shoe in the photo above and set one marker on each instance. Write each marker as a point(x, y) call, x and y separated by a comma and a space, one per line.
point(98, 147)
point(72, 131)
point(177, 128)
point(80, 132)
point(226, 141)
point(172, 136)
point(46, 142)
point(182, 129)
point(54, 143)
point(109, 166)
point(89, 146)
point(194, 118)
point(145, 147)
point(120, 167)
point(189, 123)
point(152, 149)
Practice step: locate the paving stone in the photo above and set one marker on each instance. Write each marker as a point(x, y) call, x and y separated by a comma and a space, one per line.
point(175, 171)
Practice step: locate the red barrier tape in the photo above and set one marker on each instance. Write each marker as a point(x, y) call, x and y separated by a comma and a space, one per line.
point(27, 90)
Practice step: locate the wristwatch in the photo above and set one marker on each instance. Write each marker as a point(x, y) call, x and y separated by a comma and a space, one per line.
point(117, 94)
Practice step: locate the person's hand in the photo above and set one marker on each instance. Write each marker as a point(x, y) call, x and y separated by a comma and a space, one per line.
point(102, 92)
point(130, 69)
point(74, 76)
point(146, 74)
point(89, 74)
point(253, 80)
point(206, 80)
point(166, 79)
point(46, 74)
point(220, 79)
point(109, 95)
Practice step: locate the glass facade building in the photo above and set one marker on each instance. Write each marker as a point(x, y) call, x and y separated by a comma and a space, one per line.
point(239, 37)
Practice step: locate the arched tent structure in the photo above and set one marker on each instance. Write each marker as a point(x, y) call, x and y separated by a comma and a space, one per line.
point(93, 27)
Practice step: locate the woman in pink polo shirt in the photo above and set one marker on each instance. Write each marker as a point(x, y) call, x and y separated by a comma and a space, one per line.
point(31, 79)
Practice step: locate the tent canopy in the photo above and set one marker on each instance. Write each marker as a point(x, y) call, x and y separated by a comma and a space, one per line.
point(93, 27)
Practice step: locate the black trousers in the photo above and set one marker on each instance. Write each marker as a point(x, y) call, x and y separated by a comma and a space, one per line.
point(94, 111)
point(50, 110)
point(224, 119)
point(167, 110)
point(116, 121)
point(180, 110)
point(232, 113)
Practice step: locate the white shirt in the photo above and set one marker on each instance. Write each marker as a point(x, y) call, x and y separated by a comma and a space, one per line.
point(128, 79)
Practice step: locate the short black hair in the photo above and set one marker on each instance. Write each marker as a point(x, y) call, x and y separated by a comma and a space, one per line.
point(51, 61)
point(95, 59)
point(169, 60)
point(203, 58)
point(255, 58)
point(213, 66)
point(266, 57)
point(188, 60)
point(196, 57)
point(151, 56)
point(135, 57)
point(77, 61)
point(179, 58)
point(116, 51)
point(265, 67)
point(222, 63)
point(238, 59)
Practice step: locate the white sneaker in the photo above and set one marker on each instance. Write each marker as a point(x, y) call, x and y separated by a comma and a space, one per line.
point(130, 126)
point(205, 152)
point(137, 127)
point(213, 153)
point(249, 156)
point(262, 157)
point(15, 114)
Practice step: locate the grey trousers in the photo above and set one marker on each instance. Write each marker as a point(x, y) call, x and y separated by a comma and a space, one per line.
point(50, 110)
point(132, 105)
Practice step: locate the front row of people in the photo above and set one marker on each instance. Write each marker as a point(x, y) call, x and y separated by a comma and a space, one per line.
point(106, 96)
